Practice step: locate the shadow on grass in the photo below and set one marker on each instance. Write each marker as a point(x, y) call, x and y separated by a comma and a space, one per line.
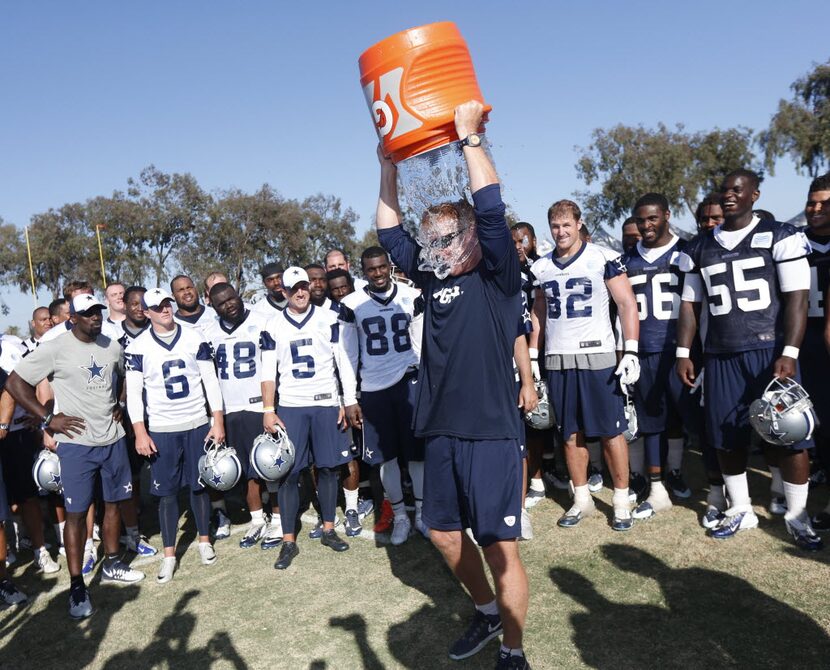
point(709, 619)
point(356, 624)
point(169, 645)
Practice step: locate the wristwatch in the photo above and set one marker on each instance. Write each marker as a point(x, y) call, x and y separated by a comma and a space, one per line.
point(472, 140)
point(47, 420)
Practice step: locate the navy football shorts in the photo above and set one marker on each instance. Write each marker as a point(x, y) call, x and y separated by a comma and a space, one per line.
point(814, 363)
point(241, 429)
point(80, 467)
point(177, 462)
point(662, 401)
point(587, 400)
point(17, 454)
point(474, 484)
point(387, 423)
point(731, 383)
point(329, 446)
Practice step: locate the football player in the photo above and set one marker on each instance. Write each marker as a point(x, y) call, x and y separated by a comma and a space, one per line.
point(466, 403)
point(114, 297)
point(755, 278)
point(301, 361)
point(709, 214)
point(236, 340)
point(190, 312)
point(630, 234)
point(659, 397)
point(40, 323)
point(170, 374)
point(384, 320)
point(212, 278)
point(586, 383)
point(336, 259)
point(341, 283)
point(274, 300)
point(58, 311)
point(86, 370)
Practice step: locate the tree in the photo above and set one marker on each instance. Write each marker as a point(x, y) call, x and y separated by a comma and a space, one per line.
point(801, 127)
point(173, 206)
point(326, 226)
point(628, 161)
point(12, 252)
point(120, 222)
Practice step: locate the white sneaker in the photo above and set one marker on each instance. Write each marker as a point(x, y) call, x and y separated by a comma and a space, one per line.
point(223, 524)
point(206, 553)
point(168, 567)
point(527, 528)
point(96, 533)
point(533, 498)
point(118, 571)
point(400, 530)
point(658, 501)
point(45, 562)
point(421, 527)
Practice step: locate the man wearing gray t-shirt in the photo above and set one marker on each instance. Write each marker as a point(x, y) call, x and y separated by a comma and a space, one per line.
point(86, 371)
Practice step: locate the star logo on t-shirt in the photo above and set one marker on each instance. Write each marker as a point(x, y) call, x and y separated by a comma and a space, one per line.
point(95, 370)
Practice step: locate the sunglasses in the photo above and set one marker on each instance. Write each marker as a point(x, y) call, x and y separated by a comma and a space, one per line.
point(445, 240)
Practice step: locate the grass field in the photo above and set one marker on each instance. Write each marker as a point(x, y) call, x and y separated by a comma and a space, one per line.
point(662, 596)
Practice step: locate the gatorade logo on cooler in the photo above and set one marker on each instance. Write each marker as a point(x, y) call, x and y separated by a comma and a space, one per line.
point(384, 99)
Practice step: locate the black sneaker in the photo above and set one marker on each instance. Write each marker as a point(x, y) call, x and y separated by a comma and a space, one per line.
point(481, 630)
point(638, 488)
point(288, 553)
point(10, 594)
point(507, 661)
point(353, 525)
point(677, 485)
point(331, 539)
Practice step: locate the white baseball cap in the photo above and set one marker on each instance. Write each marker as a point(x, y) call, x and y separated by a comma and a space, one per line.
point(154, 297)
point(82, 302)
point(293, 276)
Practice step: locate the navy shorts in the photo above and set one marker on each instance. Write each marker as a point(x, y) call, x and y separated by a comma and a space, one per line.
point(814, 363)
point(730, 384)
point(589, 401)
point(80, 467)
point(662, 401)
point(316, 437)
point(5, 512)
point(387, 423)
point(18, 453)
point(474, 484)
point(241, 429)
point(177, 462)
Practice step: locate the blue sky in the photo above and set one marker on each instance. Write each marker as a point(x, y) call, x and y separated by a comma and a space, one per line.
point(242, 93)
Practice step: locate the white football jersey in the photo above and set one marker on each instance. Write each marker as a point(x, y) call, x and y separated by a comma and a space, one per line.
point(172, 380)
point(12, 350)
point(576, 299)
point(303, 352)
point(266, 309)
point(201, 322)
point(385, 330)
point(238, 356)
point(56, 331)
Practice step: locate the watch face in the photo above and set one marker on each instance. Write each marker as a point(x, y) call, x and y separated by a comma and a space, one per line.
point(474, 140)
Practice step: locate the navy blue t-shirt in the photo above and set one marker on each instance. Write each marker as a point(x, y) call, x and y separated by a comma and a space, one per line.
point(466, 381)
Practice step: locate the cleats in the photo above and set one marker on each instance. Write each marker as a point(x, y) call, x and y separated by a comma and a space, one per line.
point(222, 525)
point(574, 515)
point(353, 525)
point(400, 530)
point(506, 661)
point(168, 567)
point(623, 520)
point(207, 553)
point(138, 545)
point(317, 532)
point(45, 563)
point(533, 498)
point(677, 485)
point(481, 630)
point(272, 537)
point(387, 517)
point(658, 501)
point(364, 508)
point(118, 571)
point(803, 534)
point(288, 553)
point(89, 563)
point(10, 595)
point(252, 535)
point(333, 541)
point(712, 517)
point(594, 480)
point(80, 606)
point(778, 505)
point(734, 523)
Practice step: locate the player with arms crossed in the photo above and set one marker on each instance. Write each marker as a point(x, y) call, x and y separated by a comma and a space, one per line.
point(172, 367)
point(466, 405)
point(302, 354)
point(755, 278)
point(383, 318)
point(585, 381)
point(86, 370)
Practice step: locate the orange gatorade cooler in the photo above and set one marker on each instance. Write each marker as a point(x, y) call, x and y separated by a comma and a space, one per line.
point(413, 81)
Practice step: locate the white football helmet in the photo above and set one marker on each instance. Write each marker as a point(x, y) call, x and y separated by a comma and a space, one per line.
point(541, 418)
point(47, 472)
point(272, 455)
point(784, 414)
point(220, 468)
point(630, 433)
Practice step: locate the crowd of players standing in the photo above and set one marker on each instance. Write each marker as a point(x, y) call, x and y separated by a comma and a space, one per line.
point(335, 361)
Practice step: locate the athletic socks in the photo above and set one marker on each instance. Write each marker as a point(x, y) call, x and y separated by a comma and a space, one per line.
point(582, 497)
point(537, 484)
point(674, 457)
point(620, 499)
point(490, 609)
point(257, 517)
point(738, 489)
point(777, 484)
point(512, 652)
point(351, 499)
point(796, 495)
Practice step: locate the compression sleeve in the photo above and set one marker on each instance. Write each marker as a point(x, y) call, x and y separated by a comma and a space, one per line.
point(211, 383)
point(135, 395)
